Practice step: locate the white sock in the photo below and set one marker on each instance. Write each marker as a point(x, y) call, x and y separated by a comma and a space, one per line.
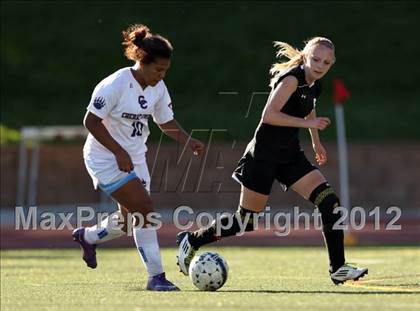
point(148, 248)
point(108, 230)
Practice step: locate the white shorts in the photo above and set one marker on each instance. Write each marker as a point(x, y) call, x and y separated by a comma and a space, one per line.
point(107, 176)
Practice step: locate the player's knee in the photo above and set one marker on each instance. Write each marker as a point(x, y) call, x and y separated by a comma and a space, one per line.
point(142, 206)
point(147, 206)
point(324, 198)
point(140, 209)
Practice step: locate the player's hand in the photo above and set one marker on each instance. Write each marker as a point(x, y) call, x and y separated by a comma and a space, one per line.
point(320, 154)
point(196, 146)
point(124, 161)
point(320, 123)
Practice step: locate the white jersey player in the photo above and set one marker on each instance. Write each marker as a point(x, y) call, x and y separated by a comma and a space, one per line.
point(125, 108)
point(114, 153)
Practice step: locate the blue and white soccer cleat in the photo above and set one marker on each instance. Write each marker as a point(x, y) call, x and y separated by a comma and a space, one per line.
point(346, 272)
point(89, 250)
point(185, 252)
point(161, 284)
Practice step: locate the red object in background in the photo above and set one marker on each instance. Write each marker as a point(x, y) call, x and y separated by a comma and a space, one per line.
point(341, 93)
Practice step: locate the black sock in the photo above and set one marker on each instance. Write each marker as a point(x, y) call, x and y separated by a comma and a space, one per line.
point(202, 237)
point(208, 235)
point(334, 240)
point(325, 199)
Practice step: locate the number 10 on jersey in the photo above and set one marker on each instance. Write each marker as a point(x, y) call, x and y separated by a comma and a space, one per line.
point(137, 128)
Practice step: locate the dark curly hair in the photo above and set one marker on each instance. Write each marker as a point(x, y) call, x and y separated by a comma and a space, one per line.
point(144, 46)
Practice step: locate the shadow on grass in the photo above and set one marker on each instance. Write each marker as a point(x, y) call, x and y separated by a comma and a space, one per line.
point(376, 292)
point(299, 292)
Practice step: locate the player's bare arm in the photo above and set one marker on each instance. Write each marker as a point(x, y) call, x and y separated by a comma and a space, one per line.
point(272, 112)
point(174, 130)
point(319, 150)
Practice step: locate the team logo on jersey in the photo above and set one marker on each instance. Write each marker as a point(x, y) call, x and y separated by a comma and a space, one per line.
point(99, 102)
point(303, 96)
point(142, 102)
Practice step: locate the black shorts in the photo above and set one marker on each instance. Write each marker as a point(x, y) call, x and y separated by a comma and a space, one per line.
point(259, 175)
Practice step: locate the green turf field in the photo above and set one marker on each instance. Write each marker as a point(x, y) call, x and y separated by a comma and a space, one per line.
point(259, 279)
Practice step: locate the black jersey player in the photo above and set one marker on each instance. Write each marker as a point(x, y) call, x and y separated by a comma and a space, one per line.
point(274, 153)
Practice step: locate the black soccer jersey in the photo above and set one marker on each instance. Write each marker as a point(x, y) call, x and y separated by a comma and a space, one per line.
point(281, 143)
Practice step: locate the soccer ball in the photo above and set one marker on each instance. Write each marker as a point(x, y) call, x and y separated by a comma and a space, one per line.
point(208, 271)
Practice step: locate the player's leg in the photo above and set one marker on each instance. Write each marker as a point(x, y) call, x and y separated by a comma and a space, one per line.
point(89, 237)
point(250, 205)
point(256, 179)
point(314, 187)
point(135, 198)
point(109, 228)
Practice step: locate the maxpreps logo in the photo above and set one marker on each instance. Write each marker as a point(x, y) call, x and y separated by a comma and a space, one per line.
point(99, 102)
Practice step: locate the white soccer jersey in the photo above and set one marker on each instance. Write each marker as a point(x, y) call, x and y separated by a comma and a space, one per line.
point(125, 108)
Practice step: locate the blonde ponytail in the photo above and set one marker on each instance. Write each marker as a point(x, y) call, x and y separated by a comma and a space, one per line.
point(294, 55)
